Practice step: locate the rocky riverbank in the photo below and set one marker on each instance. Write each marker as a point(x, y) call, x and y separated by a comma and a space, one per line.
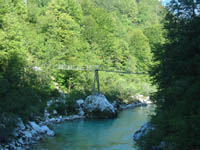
point(25, 135)
point(95, 106)
point(145, 129)
point(136, 101)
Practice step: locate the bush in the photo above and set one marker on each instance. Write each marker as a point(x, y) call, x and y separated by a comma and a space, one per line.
point(7, 124)
point(59, 106)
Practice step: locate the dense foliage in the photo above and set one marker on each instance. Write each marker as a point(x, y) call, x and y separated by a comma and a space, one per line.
point(37, 35)
point(178, 77)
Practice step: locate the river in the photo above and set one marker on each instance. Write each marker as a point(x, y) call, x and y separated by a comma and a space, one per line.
point(106, 134)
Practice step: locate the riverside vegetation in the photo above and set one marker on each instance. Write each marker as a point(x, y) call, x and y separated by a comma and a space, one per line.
point(37, 35)
point(177, 119)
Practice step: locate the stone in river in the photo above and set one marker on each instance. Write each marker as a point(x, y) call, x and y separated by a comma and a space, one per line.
point(97, 106)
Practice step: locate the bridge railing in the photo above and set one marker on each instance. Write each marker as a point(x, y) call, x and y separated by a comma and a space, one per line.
point(78, 68)
point(95, 67)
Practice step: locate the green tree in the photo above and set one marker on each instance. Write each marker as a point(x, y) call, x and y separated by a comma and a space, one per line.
point(140, 48)
point(21, 92)
point(177, 76)
point(150, 12)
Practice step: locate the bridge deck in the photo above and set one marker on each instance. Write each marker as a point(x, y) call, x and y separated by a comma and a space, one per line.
point(95, 67)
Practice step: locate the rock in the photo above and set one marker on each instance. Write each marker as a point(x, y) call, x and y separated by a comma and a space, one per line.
point(47, 131)
point(49, 103)
point(116, 105)
point(12, 145)
point(28, 126)
point(21, 141)
point(36, 127)
point(80, 102)
point(34, 132)
point(55, 120)
point(19, 148)
point(43, 129)
point(145, 128)
point(97, 106)
point(73, 117)
point(138, 100)
point(55, 112)
point(27, 134)
point(143, 99)
point(20, 124)
point(80, 105)
point(129, 106)
point(50, 133)
point(81, 112)
point(15, 132)
point(37, 138)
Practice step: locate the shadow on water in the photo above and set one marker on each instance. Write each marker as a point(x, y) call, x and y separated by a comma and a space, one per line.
point(105, 134)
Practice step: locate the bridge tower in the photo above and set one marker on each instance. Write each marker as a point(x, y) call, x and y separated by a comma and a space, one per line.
point(96, 82)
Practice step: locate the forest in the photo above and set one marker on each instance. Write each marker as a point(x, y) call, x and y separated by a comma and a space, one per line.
point(126, 35)
point(36, 36)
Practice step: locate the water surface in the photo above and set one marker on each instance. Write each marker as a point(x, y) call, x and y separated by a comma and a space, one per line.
point(108, 134)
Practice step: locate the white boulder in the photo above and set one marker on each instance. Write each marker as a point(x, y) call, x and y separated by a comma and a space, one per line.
point(36, 127)
point(48, 131)
point(143, 99)
point(97, 106)
point(42, 129)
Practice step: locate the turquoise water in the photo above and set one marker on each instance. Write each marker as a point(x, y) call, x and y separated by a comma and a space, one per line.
point(108, 134)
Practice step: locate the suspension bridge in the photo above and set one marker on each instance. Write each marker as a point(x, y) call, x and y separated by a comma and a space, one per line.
point(95, 69)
